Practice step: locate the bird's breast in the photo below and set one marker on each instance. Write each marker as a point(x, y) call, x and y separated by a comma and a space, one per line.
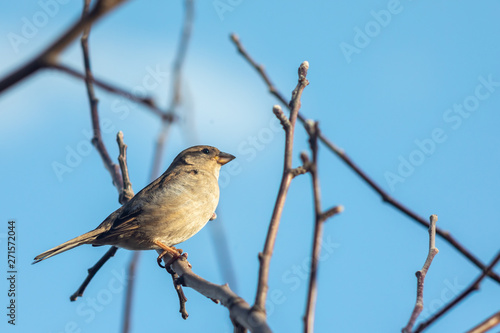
point(183, 207)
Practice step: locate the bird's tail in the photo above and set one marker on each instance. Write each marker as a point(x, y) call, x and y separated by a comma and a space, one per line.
point(77, 241)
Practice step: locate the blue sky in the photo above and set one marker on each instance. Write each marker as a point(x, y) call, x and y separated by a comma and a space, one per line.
point(409, 89)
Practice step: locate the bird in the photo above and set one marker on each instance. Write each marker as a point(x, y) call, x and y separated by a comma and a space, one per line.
point(170, 210)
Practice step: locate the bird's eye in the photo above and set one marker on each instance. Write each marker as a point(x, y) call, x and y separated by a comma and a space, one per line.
point(205, 151)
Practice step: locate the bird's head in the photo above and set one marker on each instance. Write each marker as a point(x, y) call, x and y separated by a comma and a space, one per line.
point(203, 157)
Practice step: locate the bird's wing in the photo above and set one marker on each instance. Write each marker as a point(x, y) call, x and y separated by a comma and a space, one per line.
point(121, 226)
point(120, 221)
point(126, 220)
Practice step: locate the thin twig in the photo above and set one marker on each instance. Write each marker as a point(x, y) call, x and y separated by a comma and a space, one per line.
point(127, 192)
point(180, 57)
point(223, 252)
point(346, 159)
point(331, 212)
point(419, 304)
point(121, 179)
point(92, 271)
point(160, 148)
point(259, 69)
point(319, 219)
point(127, 315)
point(176, 97)
point(50, 54)
point(487, 324)
point(473, 287)
point(180, 294)
point(147, 102)
point(130, 292)
point(239, 310)
point(124, 195)
point(289, 125)
point(97, 139)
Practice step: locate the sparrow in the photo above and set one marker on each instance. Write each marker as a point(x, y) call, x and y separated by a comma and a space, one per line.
point(170, 210)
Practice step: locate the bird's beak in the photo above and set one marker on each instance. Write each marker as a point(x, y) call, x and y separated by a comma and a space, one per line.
point(224, 158)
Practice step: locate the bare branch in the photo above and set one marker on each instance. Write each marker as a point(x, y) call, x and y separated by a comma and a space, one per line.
point(282, 117)
point(419, 304)
point(265, 256)
point(127, 193)
point(487, 324)
point(331, 212)
point(175, 98)
point(473, 287)
point(180, 293)
point(97, 139)
point(305, 159)
point(346, 159)
point(121, 179)
point(299, 171)
point(180, 57)
point(92, 271)
point(160, 147)
point(50, 54)
point(319, 219)
point(258, 68)
point(224, 252)
point(130, 291)
point(239, 310)
point(147, 102)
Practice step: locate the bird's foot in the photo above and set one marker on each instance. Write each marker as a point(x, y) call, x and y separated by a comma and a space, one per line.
point(174, 252)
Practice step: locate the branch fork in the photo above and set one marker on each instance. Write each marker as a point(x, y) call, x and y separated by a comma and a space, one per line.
point(420, 274)
point(240, 311)
point(288, 174)
point(320, 217)
point(349, 162)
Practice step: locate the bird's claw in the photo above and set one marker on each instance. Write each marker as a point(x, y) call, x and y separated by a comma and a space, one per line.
point(158, 260)
point(171, 260)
